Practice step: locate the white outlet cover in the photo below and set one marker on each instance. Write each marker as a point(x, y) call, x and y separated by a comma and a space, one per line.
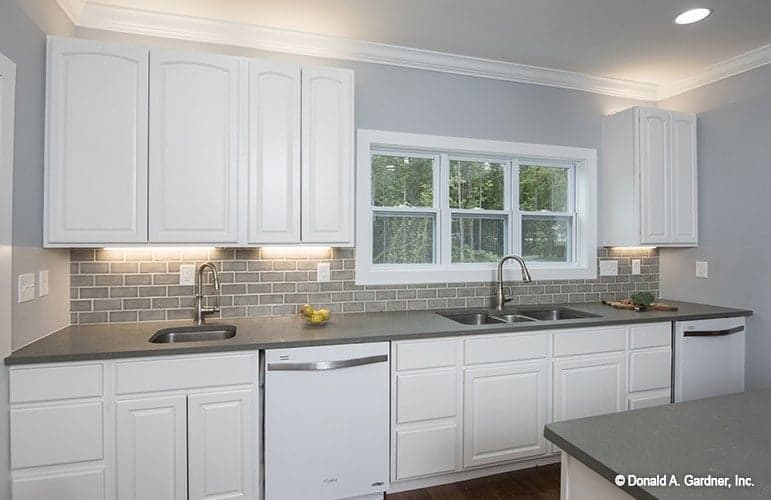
point(608, 268)
point(187, 274)
point(702, 269)
point(26, 287)
point(323, 271)
point(43, 283)
point(636, 266)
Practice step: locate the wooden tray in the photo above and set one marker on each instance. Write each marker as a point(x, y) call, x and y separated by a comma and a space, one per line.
point(627, 304)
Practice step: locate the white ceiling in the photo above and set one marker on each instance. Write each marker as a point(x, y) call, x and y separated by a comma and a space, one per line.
point(634, 40)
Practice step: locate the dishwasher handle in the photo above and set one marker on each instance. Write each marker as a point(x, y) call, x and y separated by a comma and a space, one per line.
point(713, 333)
point(317, 366)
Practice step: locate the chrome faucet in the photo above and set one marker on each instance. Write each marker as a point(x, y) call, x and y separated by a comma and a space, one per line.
point(200, 310)
point(526, 278)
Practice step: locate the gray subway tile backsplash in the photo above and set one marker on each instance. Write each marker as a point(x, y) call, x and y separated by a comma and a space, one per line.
point(112, 285)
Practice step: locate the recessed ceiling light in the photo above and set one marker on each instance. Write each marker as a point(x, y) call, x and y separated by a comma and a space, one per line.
point(692, 16)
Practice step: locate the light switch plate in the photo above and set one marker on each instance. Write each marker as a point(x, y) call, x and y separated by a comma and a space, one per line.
point(43, 283)
point(26, 287)
point(608, 268)
point(702, 269)
point(187, 274)
point(636, 266)
point(323, 271)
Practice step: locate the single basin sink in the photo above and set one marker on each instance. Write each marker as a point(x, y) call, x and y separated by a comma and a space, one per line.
point(556, 314)
point(193, 334)
point(473, 318)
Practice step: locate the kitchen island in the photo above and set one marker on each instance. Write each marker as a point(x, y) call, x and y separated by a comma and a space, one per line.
point(712, 448)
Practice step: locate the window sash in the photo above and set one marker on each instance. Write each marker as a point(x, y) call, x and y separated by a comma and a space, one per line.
point(411, 154)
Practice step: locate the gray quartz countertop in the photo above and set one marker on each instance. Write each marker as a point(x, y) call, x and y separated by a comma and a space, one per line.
point(120, 340)
point(722, 437)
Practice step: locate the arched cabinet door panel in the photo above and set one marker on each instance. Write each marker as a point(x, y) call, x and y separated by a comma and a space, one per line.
point(96, 155)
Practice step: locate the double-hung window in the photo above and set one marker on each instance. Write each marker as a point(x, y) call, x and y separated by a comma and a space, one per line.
point(441, 209)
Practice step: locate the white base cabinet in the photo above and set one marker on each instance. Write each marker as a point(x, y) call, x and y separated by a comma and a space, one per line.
point(461, 405)
point(165, 428)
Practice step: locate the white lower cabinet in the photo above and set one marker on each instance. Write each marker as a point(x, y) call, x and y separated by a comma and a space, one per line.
point(504, 413)
point(151, 448)
point(220, 437)
point(589, 385)
point(160, 428)
point(460, 405)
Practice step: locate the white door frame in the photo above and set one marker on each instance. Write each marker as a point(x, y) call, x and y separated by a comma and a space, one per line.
point(7, 109)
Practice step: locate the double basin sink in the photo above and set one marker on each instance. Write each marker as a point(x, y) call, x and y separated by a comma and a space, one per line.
point(520, 316)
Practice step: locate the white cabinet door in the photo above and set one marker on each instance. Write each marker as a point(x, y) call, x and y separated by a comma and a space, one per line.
point(505, 411)
point(96, 158)
point(655, 178)
point(221, 444)
point(588, 386)
point(151, 444)
point(196, 114)
point(274, 153)
point(327, 156)
point(684, 186)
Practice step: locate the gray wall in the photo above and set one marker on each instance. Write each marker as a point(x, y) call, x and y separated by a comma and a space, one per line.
point(22, 39)
point(734, 134)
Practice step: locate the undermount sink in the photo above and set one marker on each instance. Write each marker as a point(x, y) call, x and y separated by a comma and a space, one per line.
point(477, 318)
point(557, 314)
point(193, 334)
point(518, 316)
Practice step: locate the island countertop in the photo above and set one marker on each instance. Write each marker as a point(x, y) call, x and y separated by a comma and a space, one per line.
point(721, 437)
point(121, 340)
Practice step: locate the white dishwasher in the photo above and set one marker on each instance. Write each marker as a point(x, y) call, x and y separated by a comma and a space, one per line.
point(709, 358)
point(326, 422)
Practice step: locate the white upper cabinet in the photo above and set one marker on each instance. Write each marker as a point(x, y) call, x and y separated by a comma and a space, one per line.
point(327, 156)
point(170, 147)
point(196, 114)
point(274, 153)
point(648, 179)
point(96, 158)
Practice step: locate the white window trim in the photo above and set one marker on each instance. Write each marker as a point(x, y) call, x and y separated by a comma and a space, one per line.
point(585, 230)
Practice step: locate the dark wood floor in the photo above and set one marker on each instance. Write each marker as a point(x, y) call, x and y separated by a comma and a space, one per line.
point(539, 483)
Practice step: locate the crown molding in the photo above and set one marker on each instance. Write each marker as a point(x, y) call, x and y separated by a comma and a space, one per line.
point(143, 22)
point(719, 71)
point(95, 15)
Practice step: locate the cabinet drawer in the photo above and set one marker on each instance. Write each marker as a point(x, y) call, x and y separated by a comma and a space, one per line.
point(650, 370)
point(85, 485)
point(652, 335)
point(648, 399)
point(570, 343)
point(426, 396)
point(422, 452)
point(56, 434)
point(498, 349)
point(51, 383)
point(426, 354)
point(184, 373)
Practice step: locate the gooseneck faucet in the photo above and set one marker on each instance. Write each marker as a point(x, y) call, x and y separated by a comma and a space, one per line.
point(526, 278)
point(200, 310)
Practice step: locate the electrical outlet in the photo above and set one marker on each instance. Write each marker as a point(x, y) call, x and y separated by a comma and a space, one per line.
point(26, 287)
point(187, 274)
point(702, 269)
point(636, 266)
point(323, 271)
point(608, 268)
point(43, 283)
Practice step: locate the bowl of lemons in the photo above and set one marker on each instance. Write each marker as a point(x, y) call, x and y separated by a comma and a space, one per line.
point(315, 317)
